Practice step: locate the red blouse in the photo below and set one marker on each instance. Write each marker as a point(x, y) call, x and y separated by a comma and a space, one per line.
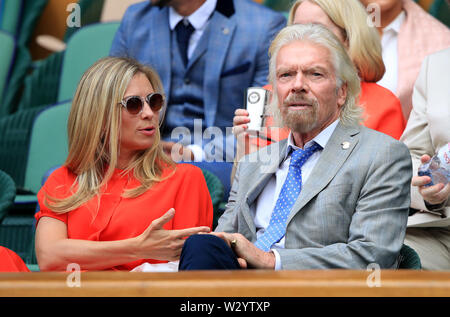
point(119, 218)
point(382, 110)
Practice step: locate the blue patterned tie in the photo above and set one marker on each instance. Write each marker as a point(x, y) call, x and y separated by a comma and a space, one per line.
point(288, 195)
point(184, 31)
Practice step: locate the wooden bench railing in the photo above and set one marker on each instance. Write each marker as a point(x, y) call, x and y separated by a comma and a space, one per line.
point(248, 283)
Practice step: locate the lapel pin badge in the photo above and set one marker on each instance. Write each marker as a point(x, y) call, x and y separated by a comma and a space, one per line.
point(345, 145)
point(226, 31)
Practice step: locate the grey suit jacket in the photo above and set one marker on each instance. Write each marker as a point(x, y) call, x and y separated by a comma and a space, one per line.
point(352, 210)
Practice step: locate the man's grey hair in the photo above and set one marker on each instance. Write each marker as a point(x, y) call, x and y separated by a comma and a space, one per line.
point(345, 71)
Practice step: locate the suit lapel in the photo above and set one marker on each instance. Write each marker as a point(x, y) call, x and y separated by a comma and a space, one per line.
point(221, 32)
point(261, 174)
point(332, 158)
point(200, 49)
point(161, 53)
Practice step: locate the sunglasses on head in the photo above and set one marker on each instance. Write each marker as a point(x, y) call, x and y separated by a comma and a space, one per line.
point(135, 104)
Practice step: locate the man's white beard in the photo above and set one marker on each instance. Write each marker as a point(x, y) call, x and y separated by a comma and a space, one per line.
point(300, 121)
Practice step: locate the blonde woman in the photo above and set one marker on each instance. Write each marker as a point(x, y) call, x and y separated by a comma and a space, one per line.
point(348, 21)
point(118, 201)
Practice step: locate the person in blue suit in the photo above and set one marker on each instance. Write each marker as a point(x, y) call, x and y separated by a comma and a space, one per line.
point(207, 52)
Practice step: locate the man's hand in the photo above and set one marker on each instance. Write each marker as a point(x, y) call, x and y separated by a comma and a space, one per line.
point(435, 194)
point(248, 254)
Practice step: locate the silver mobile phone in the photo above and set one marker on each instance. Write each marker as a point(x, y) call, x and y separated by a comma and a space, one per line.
point(255, 103)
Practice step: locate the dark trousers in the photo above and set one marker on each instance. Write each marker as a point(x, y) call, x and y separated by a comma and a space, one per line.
point(207, 252)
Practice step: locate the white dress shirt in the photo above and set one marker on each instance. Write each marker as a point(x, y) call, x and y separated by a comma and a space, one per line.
point(265, 203)
point(199, 20)
point(389, 44)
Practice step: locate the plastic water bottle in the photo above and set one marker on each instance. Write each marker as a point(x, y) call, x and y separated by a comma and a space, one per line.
point(438, 168)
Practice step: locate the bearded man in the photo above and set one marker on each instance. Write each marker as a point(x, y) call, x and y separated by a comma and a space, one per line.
point(335, 194)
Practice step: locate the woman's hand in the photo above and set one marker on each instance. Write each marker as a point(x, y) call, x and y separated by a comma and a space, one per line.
point(244, 146)
point(160, 244)
point(240, 120)
point(435, 194)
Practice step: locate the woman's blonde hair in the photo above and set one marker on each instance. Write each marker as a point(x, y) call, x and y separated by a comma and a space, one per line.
point(94, 133)
point(364, 45)
point(344, 69)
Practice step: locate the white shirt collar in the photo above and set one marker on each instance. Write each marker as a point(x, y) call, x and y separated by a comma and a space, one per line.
point(397, 23)
point(198, 19)
point(322, 138)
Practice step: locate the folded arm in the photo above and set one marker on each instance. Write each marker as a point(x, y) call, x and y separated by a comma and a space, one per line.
point(54, 250)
